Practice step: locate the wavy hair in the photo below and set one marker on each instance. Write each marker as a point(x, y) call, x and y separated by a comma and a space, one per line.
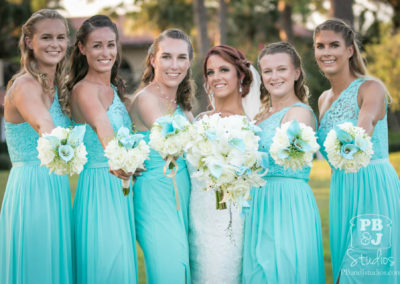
point(79, 65)
point(186, 88)
point(236, 58)
point(300, 88)
point(28, 63)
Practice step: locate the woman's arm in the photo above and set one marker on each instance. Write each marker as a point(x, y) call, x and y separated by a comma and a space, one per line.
point(371, 100)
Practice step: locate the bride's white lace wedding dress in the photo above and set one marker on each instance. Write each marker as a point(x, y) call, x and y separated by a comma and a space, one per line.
point(215, 249)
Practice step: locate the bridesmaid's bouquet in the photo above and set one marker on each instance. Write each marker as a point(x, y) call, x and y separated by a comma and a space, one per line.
point(294, 145)
point(127, 152)
point(224, 152)
point(62, 150)
point(348, 147)
point(169, 136)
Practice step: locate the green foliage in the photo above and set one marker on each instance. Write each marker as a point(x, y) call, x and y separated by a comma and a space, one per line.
point(159, 15)
point(384, 62)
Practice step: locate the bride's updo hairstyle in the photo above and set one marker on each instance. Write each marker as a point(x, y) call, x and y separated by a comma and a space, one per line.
point(236, 58)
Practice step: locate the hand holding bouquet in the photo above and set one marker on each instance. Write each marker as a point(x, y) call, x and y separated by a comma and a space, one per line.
point(63, 151)
point(126, 152)
point(224, 152)
point(348, 147)
point(169, 136)
point(294, 145)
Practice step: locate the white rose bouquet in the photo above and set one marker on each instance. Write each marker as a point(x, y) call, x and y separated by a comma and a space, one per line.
point(348, 147)
point(62, 150)
point(294, 145)
point(127, 152)
point(169, 136)
point(224, 152)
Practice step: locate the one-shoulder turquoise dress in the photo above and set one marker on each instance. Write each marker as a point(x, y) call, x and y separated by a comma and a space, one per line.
point(162, 230)
point(35, 220)
point(104, 223)
point(364, 207)
point(282, 233)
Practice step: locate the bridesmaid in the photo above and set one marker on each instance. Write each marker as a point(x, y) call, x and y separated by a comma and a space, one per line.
point(35, 220)
point(364, 207)
point(104, 231)
point(162, 231)
point(282, 235)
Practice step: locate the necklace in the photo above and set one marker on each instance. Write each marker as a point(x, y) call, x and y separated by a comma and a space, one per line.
point(172, 101)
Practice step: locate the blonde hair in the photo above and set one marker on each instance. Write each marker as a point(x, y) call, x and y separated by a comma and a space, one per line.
point(28, 62)
point(300, 89)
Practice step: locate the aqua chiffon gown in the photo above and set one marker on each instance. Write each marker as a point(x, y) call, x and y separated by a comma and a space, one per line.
point(35, 220)
point(162, 230)
point(282, 233)
point(104, 228)
point(364, 207)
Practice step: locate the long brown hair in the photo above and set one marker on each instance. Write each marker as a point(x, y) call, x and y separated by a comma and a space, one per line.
point(236, 58)
point(356, 61)
point(300, 88)
point(28, 62)
point(186, 87)
point(79, 64)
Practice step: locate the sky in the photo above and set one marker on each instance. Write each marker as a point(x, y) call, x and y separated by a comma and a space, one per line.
point(81, 8)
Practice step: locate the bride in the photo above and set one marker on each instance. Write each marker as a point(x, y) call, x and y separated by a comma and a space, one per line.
point(216, 236)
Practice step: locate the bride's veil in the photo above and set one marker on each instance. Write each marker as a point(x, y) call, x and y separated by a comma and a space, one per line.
point(251, 102)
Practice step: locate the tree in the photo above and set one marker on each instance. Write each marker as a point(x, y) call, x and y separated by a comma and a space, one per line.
point(222, 9)
point(200, 19)
point(343, 9)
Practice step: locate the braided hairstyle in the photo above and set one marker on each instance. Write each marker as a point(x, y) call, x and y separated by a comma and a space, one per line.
point(300, 88)
point(236, 58)
point(79, 64)
point(186, 87)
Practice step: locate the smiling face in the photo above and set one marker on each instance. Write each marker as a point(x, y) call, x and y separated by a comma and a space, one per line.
point(171, 62)
point(331, 53)
point(221, 77)
point(100, 49)
point(49, 42)
point(278, 74)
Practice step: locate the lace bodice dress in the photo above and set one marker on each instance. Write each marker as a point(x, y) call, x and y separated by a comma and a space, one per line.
point(35, 220)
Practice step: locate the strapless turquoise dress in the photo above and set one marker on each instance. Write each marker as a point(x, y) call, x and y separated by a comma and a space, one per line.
point(364, 207)
point(104, 223)
point(162, 230)
point(282, 233)
point(35, 220)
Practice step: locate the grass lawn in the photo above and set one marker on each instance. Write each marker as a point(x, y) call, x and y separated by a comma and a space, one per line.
point(319, 182)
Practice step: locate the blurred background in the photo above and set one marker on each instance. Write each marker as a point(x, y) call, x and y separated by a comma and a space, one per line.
point(245, 24)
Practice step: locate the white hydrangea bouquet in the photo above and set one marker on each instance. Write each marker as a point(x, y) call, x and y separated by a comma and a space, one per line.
point(348, 147)
point(62, 150)
point(294, 145)
point(169, 136)
point(127, 152)
point(224, 152)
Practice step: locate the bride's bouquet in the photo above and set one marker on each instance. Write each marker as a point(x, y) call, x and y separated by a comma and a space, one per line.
point(169, 136)
point(348, 147)
point(294, 145)
point(128, 152)
point(62, 150)
point(224, 152)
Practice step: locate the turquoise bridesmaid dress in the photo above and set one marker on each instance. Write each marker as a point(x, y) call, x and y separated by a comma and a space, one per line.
point(282, 234)
point(162, 230)
point(104, 223)
point(35, 220)
point(364, 207)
